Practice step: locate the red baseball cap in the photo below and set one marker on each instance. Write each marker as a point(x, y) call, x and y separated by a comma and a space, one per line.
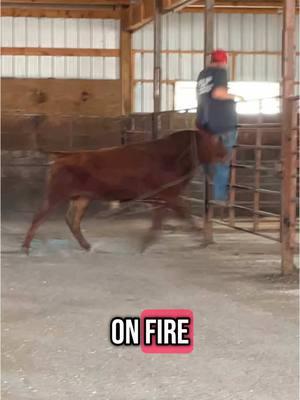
point(219, 56)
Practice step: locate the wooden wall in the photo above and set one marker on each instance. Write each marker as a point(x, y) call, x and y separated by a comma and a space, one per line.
point(43, 115)
point(62, 96)
point(42, 132)
point(26, 139)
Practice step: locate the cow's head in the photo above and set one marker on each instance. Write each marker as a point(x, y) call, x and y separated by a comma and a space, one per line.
point(210, 148)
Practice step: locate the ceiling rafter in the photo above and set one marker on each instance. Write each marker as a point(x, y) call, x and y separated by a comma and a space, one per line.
point(41, 12)
point(175, 5)
point(137, 12)
point(142, 12)
point(61, 3)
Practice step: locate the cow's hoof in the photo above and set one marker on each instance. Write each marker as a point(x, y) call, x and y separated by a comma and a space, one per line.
point(206, 243)
point(25, 250)
point(148, 240)
point(143, 247)
point(197, 232)
point(86, 246)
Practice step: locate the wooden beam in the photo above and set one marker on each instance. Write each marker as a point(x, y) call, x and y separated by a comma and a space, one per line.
point(157, 72)
point(54, 97)
point(170, 81)
point(208, 31)
point(234, 10)
point(142, 12)
point(43, 51)
point(240, 7)
point(208, 48)
point(175, 5)
point(236, 52)
point(167, 81)
point(41, 12)
point(67, 2)
point(289, 141)
point(138, 15)
point(241, 3)
point(126, 66)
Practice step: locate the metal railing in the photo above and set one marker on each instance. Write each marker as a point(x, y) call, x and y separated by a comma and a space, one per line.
point(262, 221)
point(254, 204)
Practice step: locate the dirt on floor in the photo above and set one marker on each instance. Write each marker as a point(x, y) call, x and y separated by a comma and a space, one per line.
point(57, 304)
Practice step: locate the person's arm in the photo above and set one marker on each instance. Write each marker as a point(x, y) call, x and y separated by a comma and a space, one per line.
point(220, 92)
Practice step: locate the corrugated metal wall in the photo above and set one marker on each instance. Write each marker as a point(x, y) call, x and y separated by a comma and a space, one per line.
point(182, 50)
point(254, 41)
point(60, 33)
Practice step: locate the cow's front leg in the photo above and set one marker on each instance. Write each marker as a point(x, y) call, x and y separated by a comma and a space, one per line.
point(153, 233)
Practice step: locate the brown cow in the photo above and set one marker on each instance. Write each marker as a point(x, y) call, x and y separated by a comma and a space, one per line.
point(155, 171)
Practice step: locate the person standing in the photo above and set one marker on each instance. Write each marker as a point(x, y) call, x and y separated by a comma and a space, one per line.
point(216, 112)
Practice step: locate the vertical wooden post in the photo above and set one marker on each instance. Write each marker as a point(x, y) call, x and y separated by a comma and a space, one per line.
point(126, 65)
point(157, 71)
point(209, 30)
point(208, 48)
point(289, 142)
point(233, 66)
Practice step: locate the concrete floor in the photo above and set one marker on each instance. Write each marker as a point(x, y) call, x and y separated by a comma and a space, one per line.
point(58, 302)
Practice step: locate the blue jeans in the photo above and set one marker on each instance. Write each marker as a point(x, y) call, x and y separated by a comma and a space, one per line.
point(220, 172)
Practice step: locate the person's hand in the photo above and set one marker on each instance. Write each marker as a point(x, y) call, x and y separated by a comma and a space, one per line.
point(240, 98)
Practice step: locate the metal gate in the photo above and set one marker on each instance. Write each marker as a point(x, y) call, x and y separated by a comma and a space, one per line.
point(256, 183)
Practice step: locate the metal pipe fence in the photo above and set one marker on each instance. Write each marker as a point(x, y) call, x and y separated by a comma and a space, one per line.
point(256, 183)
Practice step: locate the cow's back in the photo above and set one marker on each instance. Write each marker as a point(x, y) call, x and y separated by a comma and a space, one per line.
point(119, 173)
point(132, 156)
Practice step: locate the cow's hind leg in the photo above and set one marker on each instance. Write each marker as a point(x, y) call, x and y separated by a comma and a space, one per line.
point(38, 219)
point(153, 233)
point(70, 214)
point(74, 216)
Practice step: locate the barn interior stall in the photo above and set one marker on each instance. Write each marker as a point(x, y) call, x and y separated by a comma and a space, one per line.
point(84, 75)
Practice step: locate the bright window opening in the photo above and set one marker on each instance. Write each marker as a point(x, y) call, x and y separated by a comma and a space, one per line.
point(260, 96)
point(185, 95)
